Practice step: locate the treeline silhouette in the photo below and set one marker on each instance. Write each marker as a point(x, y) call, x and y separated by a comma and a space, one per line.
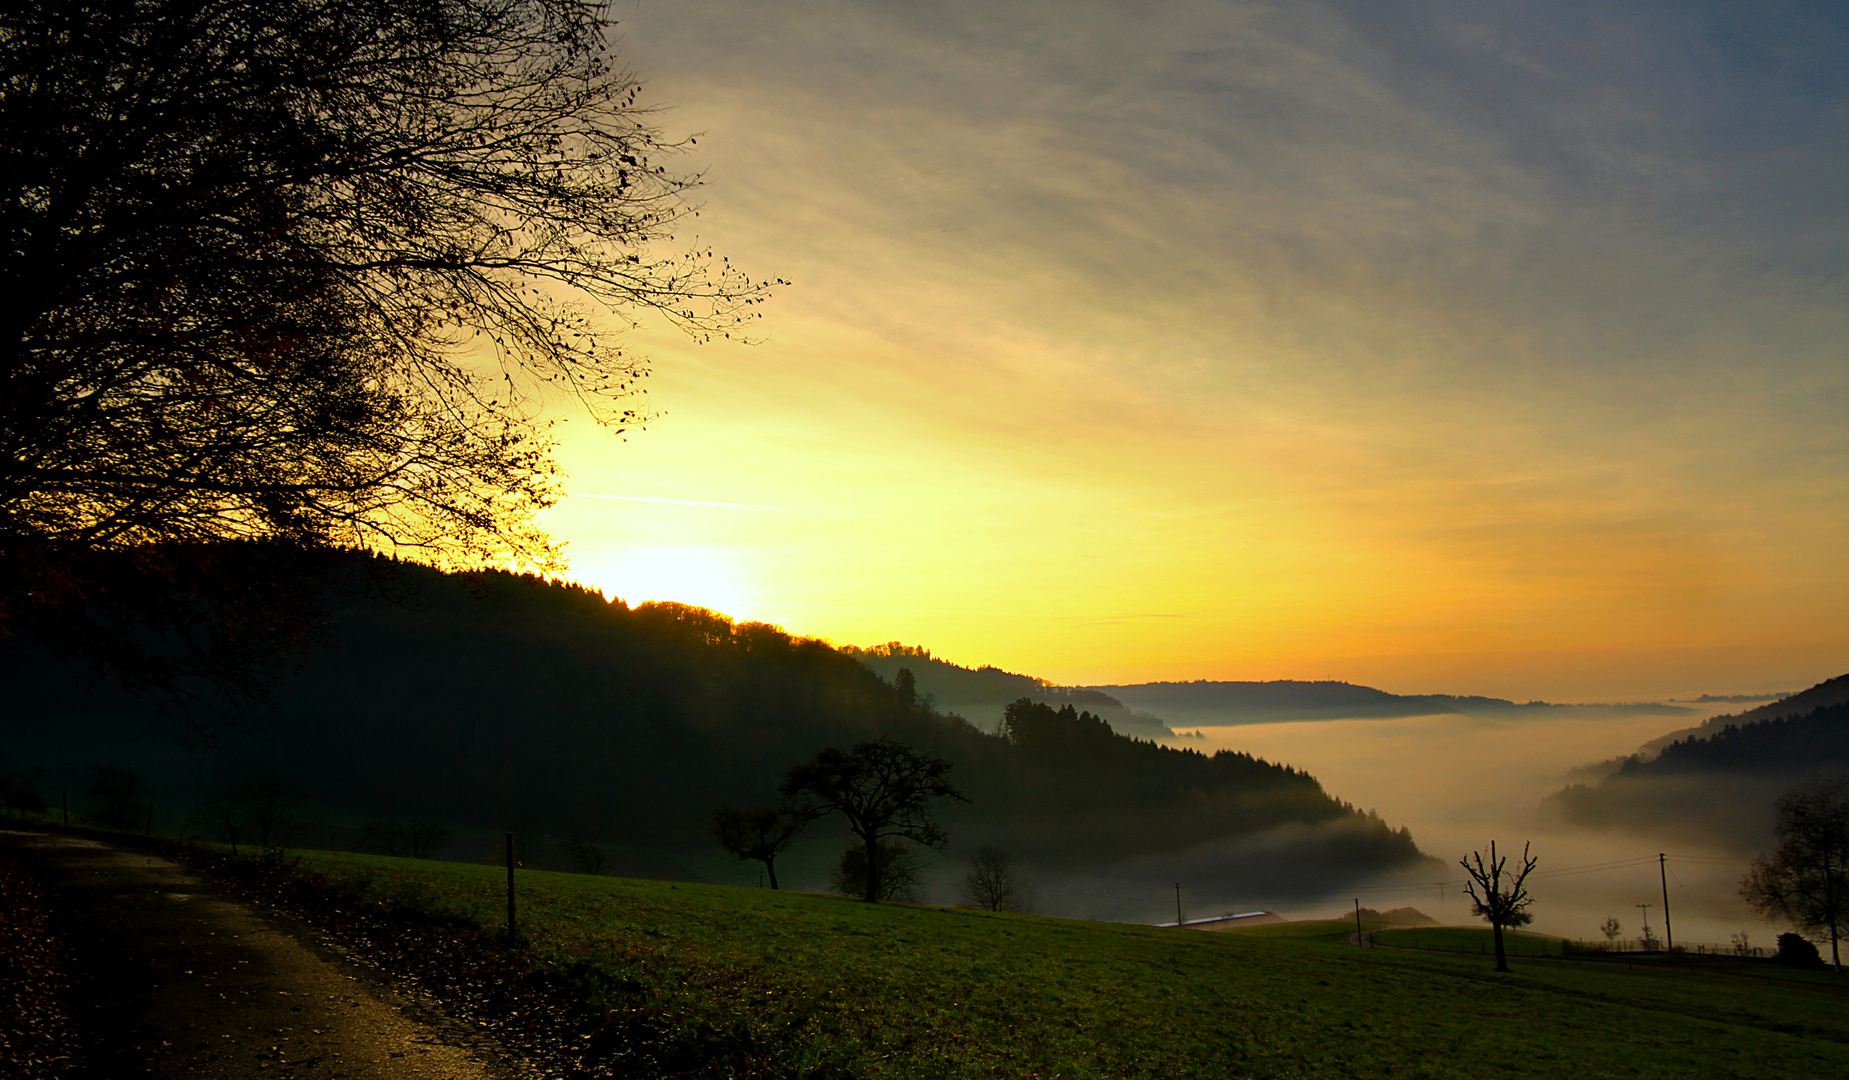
point(1818, 739)
point(982, 694)
point(491, 699)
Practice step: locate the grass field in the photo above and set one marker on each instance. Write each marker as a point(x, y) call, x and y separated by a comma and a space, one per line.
point(905, 991)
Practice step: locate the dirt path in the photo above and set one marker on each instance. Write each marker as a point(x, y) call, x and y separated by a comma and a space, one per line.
point(179, 980)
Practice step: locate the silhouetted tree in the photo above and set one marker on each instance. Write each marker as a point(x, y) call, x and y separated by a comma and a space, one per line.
point(402, 839)
point(249, 244)
point(118, 798)
point(883, 788)
point(993, 885)
point(1796, 950)
point(586, 856)
point(906, 685)
point(1806, 880)
point(1611, 930)
point(900, 878)
point(1499, 895)
point(759, 834)
point(19, 791)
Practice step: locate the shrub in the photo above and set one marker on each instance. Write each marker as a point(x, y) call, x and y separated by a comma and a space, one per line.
point(1795, 950)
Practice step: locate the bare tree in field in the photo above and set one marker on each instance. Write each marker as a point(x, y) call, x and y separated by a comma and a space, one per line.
point(1499, 895)
point(759, 834)
point(993, 885)
point(1806, 881)
point(884, 790)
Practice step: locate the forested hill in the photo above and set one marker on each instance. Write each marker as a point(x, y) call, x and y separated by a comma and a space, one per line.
point(1829, 692)
point(1717, 783)
point(492, 700)
point(982, 694)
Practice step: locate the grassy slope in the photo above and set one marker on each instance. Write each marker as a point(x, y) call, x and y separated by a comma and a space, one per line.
point(897, 990)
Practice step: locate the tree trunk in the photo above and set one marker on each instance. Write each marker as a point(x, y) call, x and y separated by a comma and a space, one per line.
point(873, 869)
point(1502, 960)
point(770, 867)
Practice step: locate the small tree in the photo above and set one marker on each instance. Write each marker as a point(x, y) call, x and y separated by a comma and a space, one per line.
point(1499, 895)
point(1796, 950)
point(1611, 930)
point(19, 791)
point(884, 789)
point(906, 685)
point(1806, 881)
point(761, 834)
point(259, 806)
point(585, 855)
point(402, 839)
point(118, 798)
point(992, 884)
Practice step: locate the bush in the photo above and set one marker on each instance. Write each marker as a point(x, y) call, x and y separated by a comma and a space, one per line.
point(1795, 950)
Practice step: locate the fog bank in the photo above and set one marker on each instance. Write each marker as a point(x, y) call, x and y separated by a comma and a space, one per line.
point(1459, 782)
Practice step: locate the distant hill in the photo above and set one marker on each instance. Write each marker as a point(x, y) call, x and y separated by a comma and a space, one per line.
point(1213, 703)
point(1716, 783)
point(491, 701)
point(980, 695)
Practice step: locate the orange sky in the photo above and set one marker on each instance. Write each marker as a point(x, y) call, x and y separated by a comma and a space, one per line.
point(1248, 344)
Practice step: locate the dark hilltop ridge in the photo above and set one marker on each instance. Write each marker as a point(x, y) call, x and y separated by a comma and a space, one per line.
point(1715, 783)
point(490, 700)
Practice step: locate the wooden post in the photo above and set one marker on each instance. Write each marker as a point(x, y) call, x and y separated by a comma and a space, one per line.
point(1359, 940)
point(1178, 905)
point(511, 925)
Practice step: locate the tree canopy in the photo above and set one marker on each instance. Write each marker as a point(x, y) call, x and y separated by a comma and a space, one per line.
point(303, 268)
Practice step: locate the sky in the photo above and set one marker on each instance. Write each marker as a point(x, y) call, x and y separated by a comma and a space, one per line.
point(1474, 347)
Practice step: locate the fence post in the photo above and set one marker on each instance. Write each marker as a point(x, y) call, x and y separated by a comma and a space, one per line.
point(511, 929)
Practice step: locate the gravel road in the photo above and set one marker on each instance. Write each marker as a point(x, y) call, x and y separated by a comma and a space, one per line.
point(177, 979)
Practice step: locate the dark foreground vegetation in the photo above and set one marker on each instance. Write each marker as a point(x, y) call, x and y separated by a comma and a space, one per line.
point(491, 699)
point(641, 978)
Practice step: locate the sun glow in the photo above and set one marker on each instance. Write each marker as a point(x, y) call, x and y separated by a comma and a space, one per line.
point(702, 576)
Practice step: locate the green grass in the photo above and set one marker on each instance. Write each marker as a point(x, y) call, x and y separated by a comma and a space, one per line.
point(907, 991)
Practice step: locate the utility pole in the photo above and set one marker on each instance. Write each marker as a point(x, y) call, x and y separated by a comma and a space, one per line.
point(1646, 909)
point(1178, 905)
point(1669, 934)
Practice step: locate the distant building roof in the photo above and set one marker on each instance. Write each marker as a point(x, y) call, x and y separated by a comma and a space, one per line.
point(1217, 922)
